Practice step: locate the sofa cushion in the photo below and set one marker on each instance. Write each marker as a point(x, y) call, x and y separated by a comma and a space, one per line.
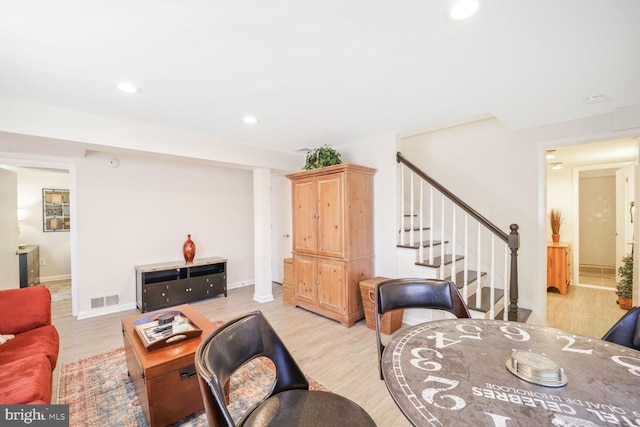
point(43, 340)
point(28, 380)
point(24, 308)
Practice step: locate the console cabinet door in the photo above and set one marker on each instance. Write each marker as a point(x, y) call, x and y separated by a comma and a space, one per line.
point(154, 296)
point(198, 287)
point(178, 292)
point(216, 284)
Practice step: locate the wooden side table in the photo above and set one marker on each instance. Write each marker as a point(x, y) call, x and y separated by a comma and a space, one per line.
point(389, 322)
point(559, 266)
point(165, 379)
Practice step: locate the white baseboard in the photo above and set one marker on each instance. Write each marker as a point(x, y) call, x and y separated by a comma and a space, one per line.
point(107, 310)
point(239, 285)
point(55, 278)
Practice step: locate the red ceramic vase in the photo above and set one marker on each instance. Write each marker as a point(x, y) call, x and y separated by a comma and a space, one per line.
point(189, 249)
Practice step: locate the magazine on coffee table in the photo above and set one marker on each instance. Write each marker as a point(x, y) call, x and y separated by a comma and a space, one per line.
point(163, 328)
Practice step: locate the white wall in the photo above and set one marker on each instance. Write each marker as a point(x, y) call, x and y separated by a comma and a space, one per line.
point(9, 264)
point(560, 194)
point(55, 247)
point(380, 153)
point(141, 213)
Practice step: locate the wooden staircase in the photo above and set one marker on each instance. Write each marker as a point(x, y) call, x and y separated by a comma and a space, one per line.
point(440, 237)
point(433, 269)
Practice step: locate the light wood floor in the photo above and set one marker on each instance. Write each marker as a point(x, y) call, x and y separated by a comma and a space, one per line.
point(342, 359)
point(584, 310)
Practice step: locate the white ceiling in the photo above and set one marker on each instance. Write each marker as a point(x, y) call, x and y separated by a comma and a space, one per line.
point(602, 153)
point(321, 72)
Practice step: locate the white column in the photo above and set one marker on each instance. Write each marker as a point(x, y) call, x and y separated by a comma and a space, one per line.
point(262, 234)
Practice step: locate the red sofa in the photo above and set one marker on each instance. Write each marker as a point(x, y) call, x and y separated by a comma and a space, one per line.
point(28, 360)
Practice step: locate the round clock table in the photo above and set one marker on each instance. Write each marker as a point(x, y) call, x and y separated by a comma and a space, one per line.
point(475, 372)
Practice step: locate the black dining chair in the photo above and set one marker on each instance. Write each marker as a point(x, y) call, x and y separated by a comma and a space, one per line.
point(626, 331)
point(289, 403)
point(395, 294)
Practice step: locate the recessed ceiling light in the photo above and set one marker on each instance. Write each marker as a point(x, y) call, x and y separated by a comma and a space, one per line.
point(127, 87)
point(250, 120)
point(556, 166)
point(551, 154)
point(462, 10)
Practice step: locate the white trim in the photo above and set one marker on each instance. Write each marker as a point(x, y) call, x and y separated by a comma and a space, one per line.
point(55, 278)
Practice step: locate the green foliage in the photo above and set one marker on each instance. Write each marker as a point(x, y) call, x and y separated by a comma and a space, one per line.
point(625, 285)
point(321, 157)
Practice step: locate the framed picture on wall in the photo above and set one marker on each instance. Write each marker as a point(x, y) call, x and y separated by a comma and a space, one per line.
point(56, 210)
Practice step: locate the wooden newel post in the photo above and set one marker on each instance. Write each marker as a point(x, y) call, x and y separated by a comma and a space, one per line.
point(514, 245)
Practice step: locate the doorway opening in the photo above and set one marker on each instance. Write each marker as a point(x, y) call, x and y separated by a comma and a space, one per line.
point(592, 185)
point(49, 246)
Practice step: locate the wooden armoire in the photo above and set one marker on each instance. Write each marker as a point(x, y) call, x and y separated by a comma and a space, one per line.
point(332, 239)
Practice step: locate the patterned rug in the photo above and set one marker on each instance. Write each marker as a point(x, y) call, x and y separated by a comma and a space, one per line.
point(60, 290)
point(99, 391)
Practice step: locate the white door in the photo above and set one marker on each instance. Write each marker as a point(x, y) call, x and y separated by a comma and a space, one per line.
point(624, 224)
point(597, 192)
point(9, 275)
point(280, 225)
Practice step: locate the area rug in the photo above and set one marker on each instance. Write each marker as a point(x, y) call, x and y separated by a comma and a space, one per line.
point(99, 391)
point(60, 290)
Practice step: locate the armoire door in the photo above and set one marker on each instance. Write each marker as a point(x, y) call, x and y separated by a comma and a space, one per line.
point(305, 222)
point(331, 215)
point(332, 277)
point(305, 278)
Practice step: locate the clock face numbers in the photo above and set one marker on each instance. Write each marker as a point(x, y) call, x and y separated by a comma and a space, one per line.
point(632, 363)
point(453, 371)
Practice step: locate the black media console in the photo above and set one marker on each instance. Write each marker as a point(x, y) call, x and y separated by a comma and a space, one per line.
point(173, 283)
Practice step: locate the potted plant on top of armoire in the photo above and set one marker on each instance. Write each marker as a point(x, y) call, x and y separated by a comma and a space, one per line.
point(624, 288)
point(321, 157)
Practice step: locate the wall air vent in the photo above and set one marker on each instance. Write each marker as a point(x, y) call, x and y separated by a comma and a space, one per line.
point(97, 302)
point(112, 299)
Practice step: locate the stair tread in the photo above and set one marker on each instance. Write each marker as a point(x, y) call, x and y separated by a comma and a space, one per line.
point(471, 277)
point(485, 299)
point(523, 315)
point(437, 261)
point(416, 245)
point(407, 229)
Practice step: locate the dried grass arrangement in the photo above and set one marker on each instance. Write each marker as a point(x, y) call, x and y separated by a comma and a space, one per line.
point(555, 218)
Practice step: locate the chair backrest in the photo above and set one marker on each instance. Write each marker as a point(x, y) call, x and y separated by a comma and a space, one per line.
point(395, 294)
point(231, 346)
point(626, 331)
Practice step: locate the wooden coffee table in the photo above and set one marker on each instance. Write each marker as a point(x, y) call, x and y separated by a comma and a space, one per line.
point(165, 379)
